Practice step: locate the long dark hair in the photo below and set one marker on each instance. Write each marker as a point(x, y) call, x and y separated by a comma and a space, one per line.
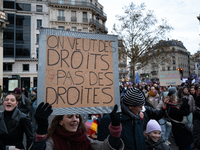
point(55, 124)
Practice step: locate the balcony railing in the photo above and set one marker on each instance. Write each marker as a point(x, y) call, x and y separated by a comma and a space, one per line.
point(85, 19)
point(73, 19)
point(98, 24)
point(121, 64)
point(79, 4)
point(61, 18)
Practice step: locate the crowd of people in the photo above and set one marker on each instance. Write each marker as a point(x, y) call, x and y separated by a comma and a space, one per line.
point(149, 114)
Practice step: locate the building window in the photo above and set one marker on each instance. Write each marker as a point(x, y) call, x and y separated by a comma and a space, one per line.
point(85, 19)
point(60, 1)
point(8, 4)
point(61, 27)
point(72, 2)
point(39, 23)
point(174, 62)
point(163, 68)
point(85, 29)
point(73, 28)
point(7, 67)
point(23, 7)
point(37, 38)
point(39, 8)
point(37, 52)
point(168, 68)
point(25, 67)
point(124, 75)
point(36, 67)
point(73, 16)
point(61, 15)
point(174, 67)
point(163, 63)
point(83, 2)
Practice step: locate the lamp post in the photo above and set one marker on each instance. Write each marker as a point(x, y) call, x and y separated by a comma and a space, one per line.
point(97, 18)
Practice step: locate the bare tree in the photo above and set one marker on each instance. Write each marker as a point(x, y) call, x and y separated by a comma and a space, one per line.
point(139, 30)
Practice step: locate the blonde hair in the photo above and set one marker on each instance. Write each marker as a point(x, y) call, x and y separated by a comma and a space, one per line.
point(172, 98)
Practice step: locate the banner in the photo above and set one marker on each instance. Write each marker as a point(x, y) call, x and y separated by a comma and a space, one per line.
point(79, 72)
point(169, 78)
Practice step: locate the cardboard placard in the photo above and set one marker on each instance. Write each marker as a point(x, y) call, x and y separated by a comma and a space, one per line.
point(169, 78)
point(78, 73)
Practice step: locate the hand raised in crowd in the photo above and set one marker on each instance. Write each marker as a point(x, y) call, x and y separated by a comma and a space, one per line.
point(115, 117)
point(43, 111)
point(141, 114)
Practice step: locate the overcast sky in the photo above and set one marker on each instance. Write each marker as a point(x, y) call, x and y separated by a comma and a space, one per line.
point(181, 15)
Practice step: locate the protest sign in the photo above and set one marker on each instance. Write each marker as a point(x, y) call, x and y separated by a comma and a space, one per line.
point(78, 72)
point(169, 78)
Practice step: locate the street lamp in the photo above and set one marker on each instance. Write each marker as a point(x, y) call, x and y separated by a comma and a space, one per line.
point(97, 18)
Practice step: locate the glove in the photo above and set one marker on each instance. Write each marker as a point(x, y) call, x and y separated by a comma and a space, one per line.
point(43, 111)
point(115, 118)
point(185, 100)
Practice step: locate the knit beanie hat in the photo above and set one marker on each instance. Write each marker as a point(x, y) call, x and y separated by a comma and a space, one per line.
point(172, 91)
point(17, 91)
point(152, 125)
point(134, 97)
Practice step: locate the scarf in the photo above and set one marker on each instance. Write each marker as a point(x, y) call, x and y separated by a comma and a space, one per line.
point(152, 93)
point(65, 140)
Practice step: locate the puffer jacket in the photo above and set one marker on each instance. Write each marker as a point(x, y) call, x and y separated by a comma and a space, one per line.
point(13, 133)
point(196, 129)
point(159, 145)
point(132, 129)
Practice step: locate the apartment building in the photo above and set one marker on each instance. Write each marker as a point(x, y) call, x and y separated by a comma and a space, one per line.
point(77, 15)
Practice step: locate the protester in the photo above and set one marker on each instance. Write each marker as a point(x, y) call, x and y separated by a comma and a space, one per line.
point(154, 140)
point(132, 133)
point(164, 122)
point(152, 97)
point(13, 124)
point(23, 102)
point(184, 93)
point(24, 92)
point(193, 92)
point(182, 137)
point(67, 132)
point(196, 129)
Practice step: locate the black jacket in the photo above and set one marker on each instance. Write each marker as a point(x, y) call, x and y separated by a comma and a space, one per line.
point(196, 129)
point(13, 133)
point(132, 129)
point(182, 137)
point(151, 113)
point(159, 145)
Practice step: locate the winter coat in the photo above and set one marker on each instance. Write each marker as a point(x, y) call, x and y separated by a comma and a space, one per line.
point(96, 145)
point(24, 104)
point(13, 133)
point(196, 129)
point(159, 145)
point(182, 137)
point(151, 113)
point(132, 129)
point(152, 100)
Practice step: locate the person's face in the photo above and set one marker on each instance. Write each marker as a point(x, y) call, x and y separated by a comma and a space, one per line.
point(135, 110)
point(192, 91)
point(175, 100)
point(70, 122)
point(23, 89)
point(185, 91)
point(10, 102)
point(155, 135)
point(152, 89)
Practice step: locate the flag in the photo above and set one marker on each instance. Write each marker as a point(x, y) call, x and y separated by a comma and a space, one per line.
point(196, 65)
point(137, 78)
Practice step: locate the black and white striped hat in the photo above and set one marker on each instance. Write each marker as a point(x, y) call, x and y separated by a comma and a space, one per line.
point(134, 97)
